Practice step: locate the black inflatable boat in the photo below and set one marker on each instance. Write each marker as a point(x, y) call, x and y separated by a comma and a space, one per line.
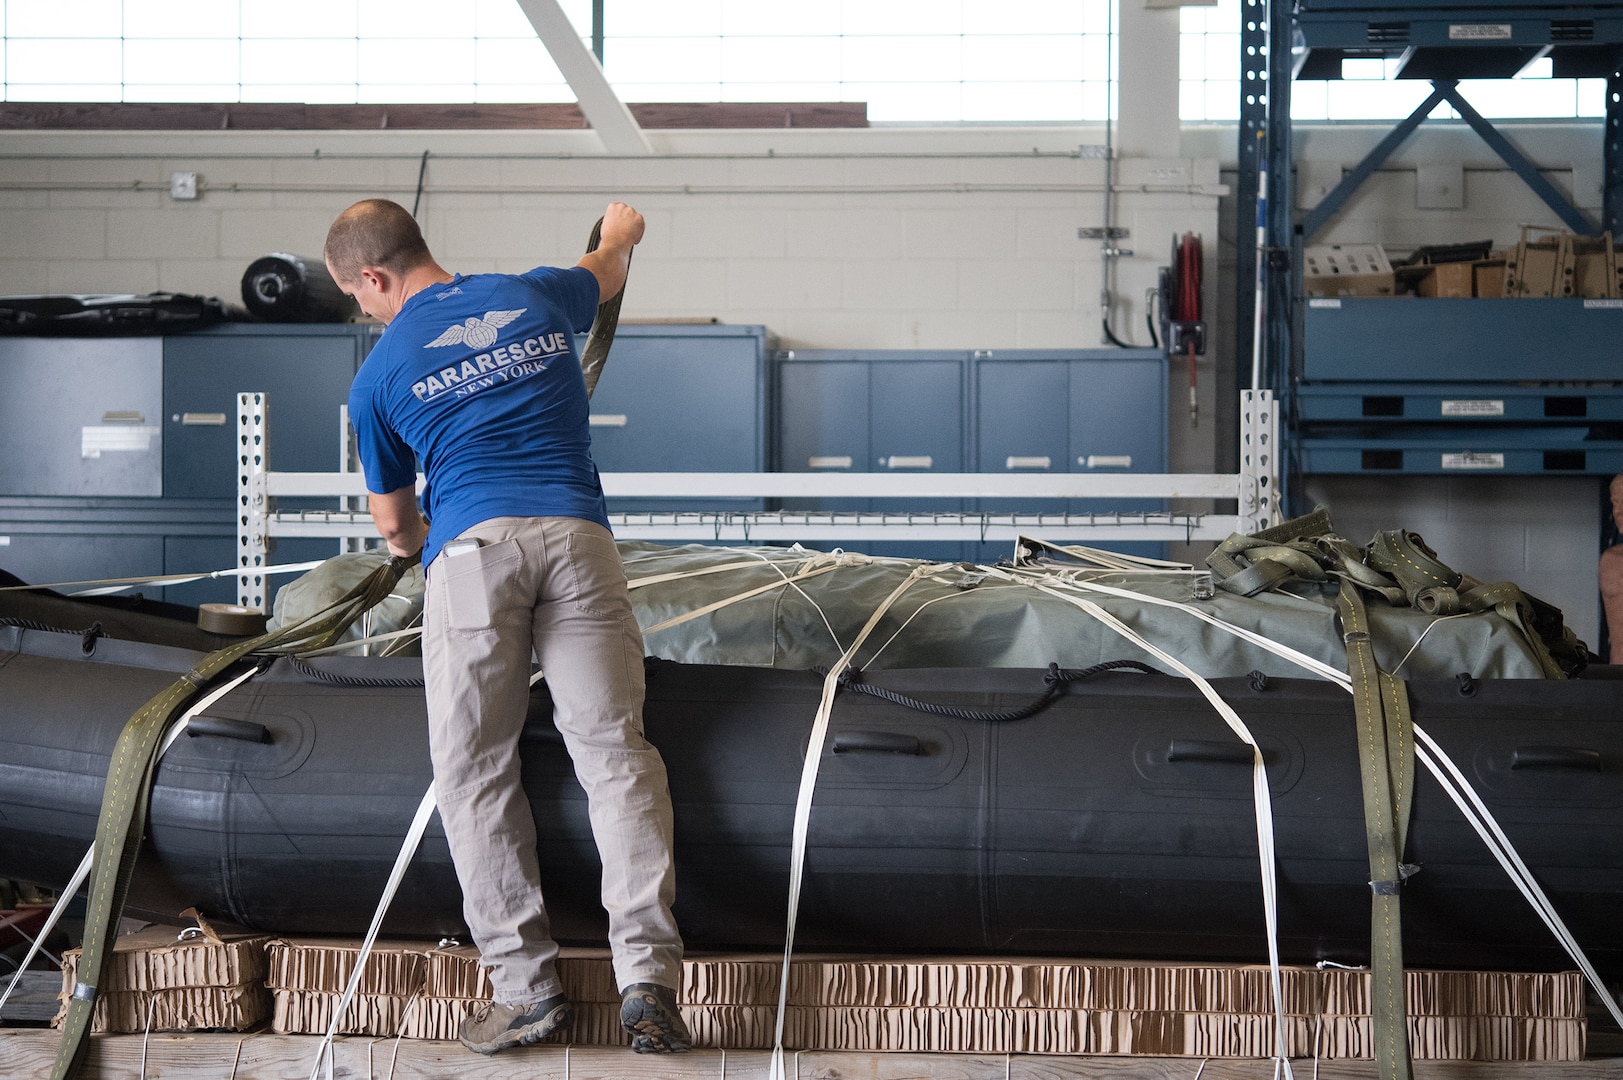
point(1117, 821)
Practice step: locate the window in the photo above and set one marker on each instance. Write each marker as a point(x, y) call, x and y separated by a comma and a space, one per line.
point(910, 60)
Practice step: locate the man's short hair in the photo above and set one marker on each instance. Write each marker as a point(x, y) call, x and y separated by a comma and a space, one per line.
point(374, 232)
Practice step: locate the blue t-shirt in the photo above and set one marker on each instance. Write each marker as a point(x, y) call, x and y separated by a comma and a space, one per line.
point(480, 379)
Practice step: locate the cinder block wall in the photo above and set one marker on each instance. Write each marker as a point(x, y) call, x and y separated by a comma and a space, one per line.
point(879, 239)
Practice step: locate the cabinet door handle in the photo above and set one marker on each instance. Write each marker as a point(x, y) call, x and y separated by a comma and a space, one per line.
point(877, 742)
point(606, 420)
point(1106, 461)
point(829, 461)
point(1555, 757)
point(1224, 753)
point(903, 461)
point(202, 419)
point(1036, 462)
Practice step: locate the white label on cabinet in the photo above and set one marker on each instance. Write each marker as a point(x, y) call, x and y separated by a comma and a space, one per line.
point(1479, 32)
point(1324, 303)
point(916, 461)
point(607, 420)
point(1592, 304)
point(1483, 407)
point(1469, 460)
point(102, 438)
point(1106, 461)
point(5, 541)
point(1042, 462)
point(830, 461)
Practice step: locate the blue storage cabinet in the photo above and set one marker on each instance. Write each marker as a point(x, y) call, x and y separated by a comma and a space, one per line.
point(683, 398)
point(1071, 411)
point(878, 410)
point(179, 515)
point(305, 370)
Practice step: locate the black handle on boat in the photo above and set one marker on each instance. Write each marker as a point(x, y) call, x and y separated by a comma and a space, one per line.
point(227, 728)
point(1225, 753)
point(877, 742)
point(1555, 757)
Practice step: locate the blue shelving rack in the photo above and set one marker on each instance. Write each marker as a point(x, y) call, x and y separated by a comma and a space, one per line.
point(1390, 385)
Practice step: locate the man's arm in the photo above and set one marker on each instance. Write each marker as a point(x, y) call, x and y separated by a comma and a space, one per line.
point(398, 519)
point(622, 228)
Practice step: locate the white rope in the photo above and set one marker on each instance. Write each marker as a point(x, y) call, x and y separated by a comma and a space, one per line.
point(803, 801)
point(1259, 794)
point(677, 620)
point(115, 585)
point(408, 848)
point(702, 571)
point(950, 596)
point(146, 1033)
point(1429, 627)
point(391, 635)
point(82, 872)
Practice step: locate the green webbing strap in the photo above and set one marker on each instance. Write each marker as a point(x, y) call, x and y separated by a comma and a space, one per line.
point(601, 335)
point(1386, 768)
point(129, 786)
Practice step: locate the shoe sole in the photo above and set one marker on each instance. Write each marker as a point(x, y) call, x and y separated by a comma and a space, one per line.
point(651, 1029)
point(527, 1035)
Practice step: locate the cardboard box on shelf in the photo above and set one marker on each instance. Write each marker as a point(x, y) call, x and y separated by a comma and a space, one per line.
point(1595, 268)
point(1489, 278)
point(1333, 270)
point(1540, 267)
point(1450, 280)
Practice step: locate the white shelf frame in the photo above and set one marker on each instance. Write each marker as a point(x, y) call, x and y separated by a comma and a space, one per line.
point(1253, 489)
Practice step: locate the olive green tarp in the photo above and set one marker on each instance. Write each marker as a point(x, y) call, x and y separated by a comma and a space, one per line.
point(806, 607)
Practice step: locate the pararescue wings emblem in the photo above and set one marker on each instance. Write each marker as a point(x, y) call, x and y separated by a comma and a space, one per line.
point(476, 332)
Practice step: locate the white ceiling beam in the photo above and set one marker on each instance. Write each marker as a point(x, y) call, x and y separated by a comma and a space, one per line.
point(604, 110)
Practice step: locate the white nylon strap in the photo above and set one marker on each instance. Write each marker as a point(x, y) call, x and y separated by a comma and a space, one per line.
point(1259, 795)
point(1453, 781)
point(678, 575)
point(1482, 820)
point(677, 620)
point(82, 872)
point(114, 585)
point(803, 801)
point(408, 848)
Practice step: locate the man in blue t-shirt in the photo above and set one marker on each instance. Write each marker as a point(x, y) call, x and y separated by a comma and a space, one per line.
point(477, 378)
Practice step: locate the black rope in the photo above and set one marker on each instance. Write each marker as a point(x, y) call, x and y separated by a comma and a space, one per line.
point(33, 624)
point(350, 680)
point(1054, 682)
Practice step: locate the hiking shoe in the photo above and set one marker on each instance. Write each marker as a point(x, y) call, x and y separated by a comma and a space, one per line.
point(496, 1027)
point(649, 1013)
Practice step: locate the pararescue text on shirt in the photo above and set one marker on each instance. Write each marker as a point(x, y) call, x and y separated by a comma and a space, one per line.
point(486, 369)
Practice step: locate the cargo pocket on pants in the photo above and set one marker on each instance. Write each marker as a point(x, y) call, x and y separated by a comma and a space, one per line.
point(473, 580)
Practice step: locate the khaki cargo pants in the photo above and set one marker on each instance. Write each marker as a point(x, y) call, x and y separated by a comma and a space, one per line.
point(554, 586)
